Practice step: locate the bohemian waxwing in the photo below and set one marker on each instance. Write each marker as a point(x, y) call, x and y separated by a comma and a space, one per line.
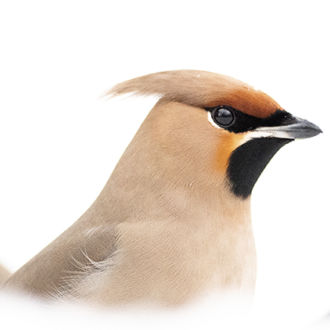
point(173, 221)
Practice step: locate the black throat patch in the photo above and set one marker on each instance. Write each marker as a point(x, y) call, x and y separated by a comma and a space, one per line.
point(247, 162)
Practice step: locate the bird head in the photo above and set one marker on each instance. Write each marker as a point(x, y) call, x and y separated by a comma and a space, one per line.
point(213, 127)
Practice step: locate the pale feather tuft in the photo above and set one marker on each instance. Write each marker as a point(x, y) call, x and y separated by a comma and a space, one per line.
point(200, 89)
point(80, 281)
point(196, 88)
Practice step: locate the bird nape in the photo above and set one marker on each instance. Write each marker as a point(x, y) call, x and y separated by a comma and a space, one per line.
point(173, 220)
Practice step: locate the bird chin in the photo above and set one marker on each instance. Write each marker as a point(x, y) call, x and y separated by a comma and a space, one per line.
point(247, 162)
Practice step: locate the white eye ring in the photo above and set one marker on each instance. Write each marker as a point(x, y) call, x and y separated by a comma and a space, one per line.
point(210, 119)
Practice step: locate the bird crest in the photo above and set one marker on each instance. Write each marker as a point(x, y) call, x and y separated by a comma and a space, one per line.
point(200, 89)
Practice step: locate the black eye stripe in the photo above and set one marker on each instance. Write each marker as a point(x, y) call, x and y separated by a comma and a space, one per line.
point(244, 122)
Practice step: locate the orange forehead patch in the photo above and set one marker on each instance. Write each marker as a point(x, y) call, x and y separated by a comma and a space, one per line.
point(248, 100)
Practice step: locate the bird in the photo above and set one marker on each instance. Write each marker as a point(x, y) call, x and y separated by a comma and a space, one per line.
point(173, 221)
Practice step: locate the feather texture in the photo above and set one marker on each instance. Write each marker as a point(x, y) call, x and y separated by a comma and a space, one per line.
point(200, 89)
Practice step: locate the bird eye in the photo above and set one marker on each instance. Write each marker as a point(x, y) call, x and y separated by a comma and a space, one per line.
point(223, 116)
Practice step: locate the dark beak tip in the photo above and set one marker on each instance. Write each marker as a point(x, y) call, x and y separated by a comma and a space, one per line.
point(317, 130)
point(306, 129)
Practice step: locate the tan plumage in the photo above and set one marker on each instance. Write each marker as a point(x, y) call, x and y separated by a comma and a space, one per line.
point(200, 89)
point(166, 228)
point(4, 274)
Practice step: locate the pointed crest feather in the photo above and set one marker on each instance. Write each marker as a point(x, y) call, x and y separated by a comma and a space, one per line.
point(200, 89)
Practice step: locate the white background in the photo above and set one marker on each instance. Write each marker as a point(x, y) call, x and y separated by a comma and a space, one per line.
point(59, 140)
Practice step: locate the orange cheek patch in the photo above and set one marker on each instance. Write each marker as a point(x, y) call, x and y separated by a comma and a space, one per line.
point(227, 143)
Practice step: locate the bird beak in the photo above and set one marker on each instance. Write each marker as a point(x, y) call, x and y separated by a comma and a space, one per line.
point(297, 128)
